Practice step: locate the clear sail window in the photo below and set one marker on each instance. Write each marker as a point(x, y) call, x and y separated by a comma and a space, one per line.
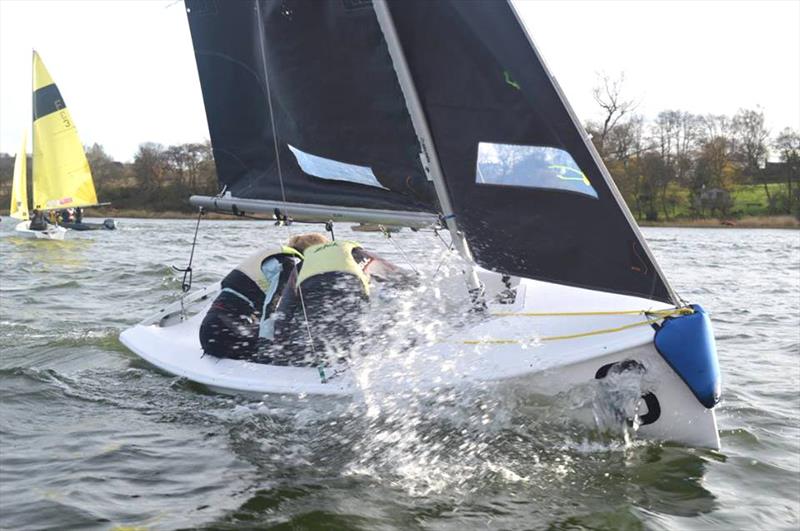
point(335, 170)
point(531, 167)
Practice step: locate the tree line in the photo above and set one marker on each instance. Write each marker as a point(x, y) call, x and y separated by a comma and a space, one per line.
point(160, 178)
point(688, 165)
point(677, 165)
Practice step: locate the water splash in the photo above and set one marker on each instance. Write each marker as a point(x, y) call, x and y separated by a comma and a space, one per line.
point(415, 425)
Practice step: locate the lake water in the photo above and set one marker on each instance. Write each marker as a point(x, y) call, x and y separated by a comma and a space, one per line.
point(93, 439)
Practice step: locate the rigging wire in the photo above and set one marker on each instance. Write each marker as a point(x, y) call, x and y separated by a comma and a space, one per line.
point(445, 256)
point(388, 235)
point(269, 102)
point(186, 283)
point(320, 368)
point(447, 245)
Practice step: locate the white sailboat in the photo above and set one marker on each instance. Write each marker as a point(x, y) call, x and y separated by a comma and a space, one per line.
point(62, 177)
point(19, 202)
point(440, 114)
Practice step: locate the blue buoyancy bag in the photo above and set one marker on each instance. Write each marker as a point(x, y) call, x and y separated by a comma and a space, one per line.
point(687, 344)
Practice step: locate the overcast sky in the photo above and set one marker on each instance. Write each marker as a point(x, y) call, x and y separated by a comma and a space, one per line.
point(126, 68)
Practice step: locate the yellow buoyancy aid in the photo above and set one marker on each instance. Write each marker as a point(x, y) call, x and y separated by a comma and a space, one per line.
point(332, 257)
point(251, 266)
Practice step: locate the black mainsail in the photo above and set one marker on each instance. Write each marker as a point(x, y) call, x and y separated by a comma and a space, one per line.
point(304, 106)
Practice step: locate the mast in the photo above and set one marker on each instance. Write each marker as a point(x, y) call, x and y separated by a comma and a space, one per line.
point(599, 162)
point(429, 157)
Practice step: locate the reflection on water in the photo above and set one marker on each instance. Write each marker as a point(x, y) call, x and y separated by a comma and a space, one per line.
point(50, 256)
point(449, 467)
point(669, 480)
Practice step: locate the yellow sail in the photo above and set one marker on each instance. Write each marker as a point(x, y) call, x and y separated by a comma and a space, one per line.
point(19, 184)
point(61, 174)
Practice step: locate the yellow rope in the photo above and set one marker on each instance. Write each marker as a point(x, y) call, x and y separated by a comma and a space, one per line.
point(666, 313)
point(661, 315)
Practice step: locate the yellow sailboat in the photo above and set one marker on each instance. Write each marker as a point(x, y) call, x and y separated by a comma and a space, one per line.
point(19, 203)
point(62, 177)
point(19, 185)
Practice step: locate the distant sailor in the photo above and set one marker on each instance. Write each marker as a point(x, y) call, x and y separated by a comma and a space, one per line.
point(243, 311)
point(38, 221)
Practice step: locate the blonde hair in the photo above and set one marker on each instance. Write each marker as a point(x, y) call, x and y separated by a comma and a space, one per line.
point(301, 242)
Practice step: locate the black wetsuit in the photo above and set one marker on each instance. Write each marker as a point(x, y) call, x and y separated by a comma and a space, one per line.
point(38, 222)
point(334, 303)
point(322, 316)
point(231, 326)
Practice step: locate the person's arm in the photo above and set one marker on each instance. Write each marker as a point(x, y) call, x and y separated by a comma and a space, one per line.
point(380, 269)
point(271, 269)
point(277, 271)
point(287, 306)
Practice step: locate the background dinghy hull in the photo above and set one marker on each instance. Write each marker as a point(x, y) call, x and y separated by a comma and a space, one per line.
point(22, 230)
point(107, 224)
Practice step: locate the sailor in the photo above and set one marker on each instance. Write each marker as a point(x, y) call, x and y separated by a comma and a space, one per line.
point(326, 303)
point(38, 221)
point(243, 311)
point(67, 215)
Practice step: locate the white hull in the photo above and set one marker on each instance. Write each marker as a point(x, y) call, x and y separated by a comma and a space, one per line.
point(495, 351)
point(53, 232)
point(682, 418)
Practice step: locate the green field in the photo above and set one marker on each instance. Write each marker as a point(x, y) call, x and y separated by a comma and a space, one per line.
point(749, 200)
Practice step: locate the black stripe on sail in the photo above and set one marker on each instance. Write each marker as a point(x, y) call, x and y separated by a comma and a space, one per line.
point(47, 100)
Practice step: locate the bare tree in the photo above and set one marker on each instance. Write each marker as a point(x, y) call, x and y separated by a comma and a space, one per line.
point(674, 135)
point(751, 136)
point(787, 144)
point(106, 170)
point(608, 95)
point(716, 126)
point(150, 165)
point(625, 140)
point(751, 145)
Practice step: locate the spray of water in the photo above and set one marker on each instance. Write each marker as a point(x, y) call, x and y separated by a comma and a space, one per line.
point(416, 425)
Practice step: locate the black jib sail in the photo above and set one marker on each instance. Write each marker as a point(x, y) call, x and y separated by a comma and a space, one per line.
point(527, 189)
point(303, 105)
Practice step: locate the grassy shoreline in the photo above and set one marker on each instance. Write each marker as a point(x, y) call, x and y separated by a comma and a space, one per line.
point(151, 214)
point(746, 222)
